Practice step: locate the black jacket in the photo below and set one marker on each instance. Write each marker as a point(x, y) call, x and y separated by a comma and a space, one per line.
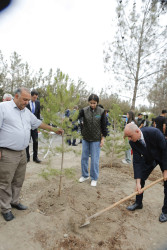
point(94, 123)
point(37, 109)
point(155, 151)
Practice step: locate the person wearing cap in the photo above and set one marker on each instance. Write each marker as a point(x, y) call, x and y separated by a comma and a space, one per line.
point(160, 121)
point(7, 97)
point(140, 120)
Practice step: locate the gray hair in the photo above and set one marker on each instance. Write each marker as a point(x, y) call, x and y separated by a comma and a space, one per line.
point(20, 90)
point(131, 127)
point(6, 95)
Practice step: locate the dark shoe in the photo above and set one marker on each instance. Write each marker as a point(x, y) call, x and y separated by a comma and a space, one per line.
point(28, 159)
point(163, 217)
point(37, 160)
point(19, 206)
point(134, 207)
point(8, 216)
point(74, 145)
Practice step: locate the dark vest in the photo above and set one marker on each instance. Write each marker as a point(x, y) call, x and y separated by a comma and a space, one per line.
point(92, 124)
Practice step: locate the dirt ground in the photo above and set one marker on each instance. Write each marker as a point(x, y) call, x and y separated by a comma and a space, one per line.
point(53, 223)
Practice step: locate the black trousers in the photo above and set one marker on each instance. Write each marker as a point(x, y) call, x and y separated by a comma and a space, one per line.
point(146, 172)
point(34, 135)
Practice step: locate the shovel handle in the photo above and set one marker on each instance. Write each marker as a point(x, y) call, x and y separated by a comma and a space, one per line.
point(125, 199)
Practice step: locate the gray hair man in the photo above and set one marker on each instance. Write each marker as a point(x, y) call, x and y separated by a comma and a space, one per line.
point(149, 150)
point(16, 121)
point(7, 97)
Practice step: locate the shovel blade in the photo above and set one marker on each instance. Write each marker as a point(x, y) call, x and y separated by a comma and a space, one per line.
point(85, 224)
point(86, 221)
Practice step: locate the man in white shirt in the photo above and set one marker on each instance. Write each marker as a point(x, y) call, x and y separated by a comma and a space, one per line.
point(16, 121)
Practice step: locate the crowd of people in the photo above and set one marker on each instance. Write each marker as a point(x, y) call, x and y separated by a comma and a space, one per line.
point(20, 120)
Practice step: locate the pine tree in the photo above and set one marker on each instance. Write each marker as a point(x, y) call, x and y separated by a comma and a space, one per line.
point(114, 145)
point(54, 106)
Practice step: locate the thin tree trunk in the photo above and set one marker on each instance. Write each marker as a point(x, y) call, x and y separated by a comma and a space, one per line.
point(138, 65)
point(134, 95)
point(62, 160)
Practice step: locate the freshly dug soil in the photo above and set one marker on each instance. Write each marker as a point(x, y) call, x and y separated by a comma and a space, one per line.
point(53, 222)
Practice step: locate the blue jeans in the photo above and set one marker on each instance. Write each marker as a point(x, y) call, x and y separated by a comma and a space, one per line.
point(92, 149)
point(128, 155)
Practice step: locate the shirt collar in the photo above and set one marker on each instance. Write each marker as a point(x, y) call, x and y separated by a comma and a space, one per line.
point(142, 137)
point(15, 106)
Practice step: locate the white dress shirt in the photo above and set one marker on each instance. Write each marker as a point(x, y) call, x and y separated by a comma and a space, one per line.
point(15, 126)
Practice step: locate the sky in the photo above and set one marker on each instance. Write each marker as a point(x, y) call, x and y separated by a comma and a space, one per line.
point(65, 34)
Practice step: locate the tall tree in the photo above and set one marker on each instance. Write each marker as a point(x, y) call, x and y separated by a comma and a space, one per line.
point(158, 93)
point(3, 71)
point(80, 89)
point(16, 72)
point(140, 45)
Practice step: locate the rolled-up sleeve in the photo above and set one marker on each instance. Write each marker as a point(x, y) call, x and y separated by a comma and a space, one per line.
point(35, 123)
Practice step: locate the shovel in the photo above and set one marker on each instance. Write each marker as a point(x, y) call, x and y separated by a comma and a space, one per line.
point(87, 219)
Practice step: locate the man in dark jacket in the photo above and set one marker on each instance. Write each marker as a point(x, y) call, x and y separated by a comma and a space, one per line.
point(140, 120)
point(34, 107)
point(160, 121)
point(149, 150)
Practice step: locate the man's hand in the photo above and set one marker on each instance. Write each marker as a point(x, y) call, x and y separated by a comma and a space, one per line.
point(138, 186)
point(102, 142)
point(165, 175)
point(59, 131)
point(45, 126)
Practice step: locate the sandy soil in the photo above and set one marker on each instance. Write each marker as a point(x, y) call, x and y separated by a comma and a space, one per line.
point(53, 222)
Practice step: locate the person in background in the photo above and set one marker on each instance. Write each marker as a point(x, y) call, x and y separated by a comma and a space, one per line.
point(34, 107)
point(67, 113)
point(80, 126)
point(107, 121)
point(15, 124)
point(166, 129)
point(149, 150)
point(108, 124)
point(74, 127)
point(152, 122)
point(93, 133)
point(140, 120)
point(160, 122)
point(7, 97)
point(146, 121)
point(131, 119)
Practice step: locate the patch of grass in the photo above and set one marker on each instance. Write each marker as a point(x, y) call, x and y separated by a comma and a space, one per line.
point(70, 173)
point(48, 172)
